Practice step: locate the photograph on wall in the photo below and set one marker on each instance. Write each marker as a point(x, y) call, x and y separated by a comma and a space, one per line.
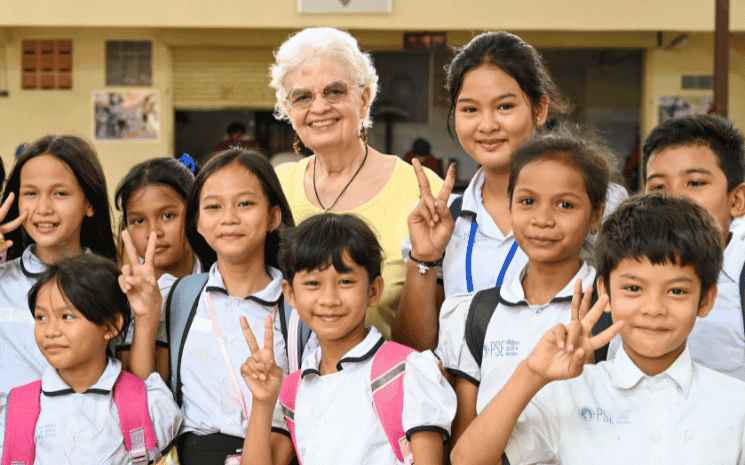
point(669, 107)
point(123, 115)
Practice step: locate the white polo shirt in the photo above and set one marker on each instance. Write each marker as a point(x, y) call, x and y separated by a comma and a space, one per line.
point(165, 282)
point(513, 332)
point(335, 421)
point(209, 404)
point(615, 414)
point(84, 428)
point(717, 341)
point(21, 362)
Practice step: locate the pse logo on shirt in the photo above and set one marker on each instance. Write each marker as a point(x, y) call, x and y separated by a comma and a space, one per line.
point(503, 348)
point(598, 414)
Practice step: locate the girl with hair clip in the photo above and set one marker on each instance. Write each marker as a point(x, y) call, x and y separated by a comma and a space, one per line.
point(58, 206)
point(152, 198)
point(500, 94)
point(234, 216)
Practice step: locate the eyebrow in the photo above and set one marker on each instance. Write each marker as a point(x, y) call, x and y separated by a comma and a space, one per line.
point(560, 194)
point(689, 171)
point(679, 279)
point(59, 184)
point(239, 194)
point(500, 97)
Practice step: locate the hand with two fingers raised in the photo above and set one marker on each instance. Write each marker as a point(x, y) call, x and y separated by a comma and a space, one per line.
point(430, 222)
point(10, 225)
point(138, 281)
point(260, 372)
point(562, 351)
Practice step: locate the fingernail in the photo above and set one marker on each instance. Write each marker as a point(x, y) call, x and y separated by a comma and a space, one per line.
point(581, 353)
point(561, 344)
point(262, 377)
point(431, 223)
point(571, 348)
point(254, 375)
point(437, 217)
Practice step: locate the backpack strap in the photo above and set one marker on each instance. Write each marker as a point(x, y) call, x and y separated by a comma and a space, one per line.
point(295, 332)
point(23, 409)
point(287, 396)
point(181, 306)
point(130, 396)
point(742, 295)
point(456, 207)
point(387, 384)
point(604, 322)
point(482, 308)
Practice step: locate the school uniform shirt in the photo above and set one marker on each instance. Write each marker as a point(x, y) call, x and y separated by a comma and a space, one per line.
point(165, 282)
point(335, 421)
point(21, 362)
point(209, 398)
point(83, 428)
point(511, 335)
point(615, 414)
point(717, 340)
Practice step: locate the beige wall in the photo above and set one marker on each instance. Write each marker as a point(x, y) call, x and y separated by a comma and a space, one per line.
point(637, 15)
point(29, 114)
point(663, 70)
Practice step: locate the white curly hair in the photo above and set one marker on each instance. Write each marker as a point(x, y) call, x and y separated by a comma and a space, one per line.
point(322, 41)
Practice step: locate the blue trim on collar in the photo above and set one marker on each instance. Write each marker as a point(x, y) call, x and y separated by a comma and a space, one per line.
point(64, 392)
point(259, 301)
point(309, 371)
point(26, 272)
point(524, 303)
point(369, 354)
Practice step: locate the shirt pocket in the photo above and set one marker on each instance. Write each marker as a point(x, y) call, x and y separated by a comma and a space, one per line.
point(710, 447)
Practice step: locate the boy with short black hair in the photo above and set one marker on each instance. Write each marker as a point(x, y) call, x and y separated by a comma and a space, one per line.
point(703, 157)
point(331, 410)
point(658, 258)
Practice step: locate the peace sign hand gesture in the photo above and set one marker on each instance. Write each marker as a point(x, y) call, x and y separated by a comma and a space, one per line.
point(430, 223)
point(260, 372)
point(10, 225)
point(138, 280)
point(562, 351)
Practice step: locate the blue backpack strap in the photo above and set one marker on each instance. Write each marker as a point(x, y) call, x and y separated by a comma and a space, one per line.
point(180, 309)
point(742, 295)
point(482, 308)
point(604, 322)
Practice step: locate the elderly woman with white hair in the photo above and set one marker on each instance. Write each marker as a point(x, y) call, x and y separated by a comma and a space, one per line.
point(325, 86)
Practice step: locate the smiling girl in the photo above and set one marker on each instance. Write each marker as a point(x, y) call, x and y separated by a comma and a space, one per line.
point(57, 194)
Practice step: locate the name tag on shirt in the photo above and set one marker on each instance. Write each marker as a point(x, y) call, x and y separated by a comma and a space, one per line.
point(201, 325)
point(16, 315)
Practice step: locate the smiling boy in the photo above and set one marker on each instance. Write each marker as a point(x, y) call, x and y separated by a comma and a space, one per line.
point(658, 258)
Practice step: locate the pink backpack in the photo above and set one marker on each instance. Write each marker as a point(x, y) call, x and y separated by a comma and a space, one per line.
point(387, 383)
point(130, 396)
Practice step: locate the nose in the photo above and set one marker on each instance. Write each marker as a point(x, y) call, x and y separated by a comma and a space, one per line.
point(488, 122)
point(51, 328)
point(157, 228)
point(543, 217)
point(319, 104)
point(229, 215)
point(44, 205)
point(329, 297)
point(654, 305)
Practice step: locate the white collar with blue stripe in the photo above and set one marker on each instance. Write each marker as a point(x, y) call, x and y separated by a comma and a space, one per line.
point(53, 385)
point(360, 353)
point(268, 297)
point(512, 293)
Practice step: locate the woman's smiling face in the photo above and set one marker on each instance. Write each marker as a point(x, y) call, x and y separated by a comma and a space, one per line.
point(324, 125)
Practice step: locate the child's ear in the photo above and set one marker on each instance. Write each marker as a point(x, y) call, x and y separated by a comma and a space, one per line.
point(596, 218)
point(289, 293)
point(540, 111)
point(737, 201)
point(113, 330)
point(707, 302)
point(602, 289)
point(89, 211)
point(375, 291)
point(275, 218)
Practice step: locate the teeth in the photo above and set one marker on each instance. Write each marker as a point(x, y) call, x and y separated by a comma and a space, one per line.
point(45, 225)
point(322, 124)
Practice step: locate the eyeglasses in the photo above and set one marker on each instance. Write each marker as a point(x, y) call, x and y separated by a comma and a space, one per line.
point(334, 92)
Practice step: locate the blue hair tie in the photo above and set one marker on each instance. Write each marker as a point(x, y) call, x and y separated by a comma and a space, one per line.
point(188, 161)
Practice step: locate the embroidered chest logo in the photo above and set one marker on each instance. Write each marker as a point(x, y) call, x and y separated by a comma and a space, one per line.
point(502, 348)
point(598, 414)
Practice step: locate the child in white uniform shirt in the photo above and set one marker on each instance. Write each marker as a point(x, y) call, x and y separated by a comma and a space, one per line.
point(233, 215)
point(557, 192)
point(658, 258)
point(78, 308)
point(152, 197)
point(57, 206)
point(500, 93)
point(702, 157)
point(332, 269)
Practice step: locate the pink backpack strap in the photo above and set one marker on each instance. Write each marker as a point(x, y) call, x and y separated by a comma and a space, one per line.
point(130, 396)
point(287, 396)
point(387, 383)
point(23, 409)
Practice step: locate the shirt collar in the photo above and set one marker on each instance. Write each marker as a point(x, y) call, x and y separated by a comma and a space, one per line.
point(513, 294)
point(268, 297)
point(472, 201)
point(53, 385)
point(359, 354)
point(735, 252)
point(166, 280)
point(32, 266)
point(626, 375)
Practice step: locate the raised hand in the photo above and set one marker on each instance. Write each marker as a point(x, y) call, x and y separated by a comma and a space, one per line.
point(260, 372)
point(562, 351)
point(10, 225)
point(138, 280)
point(430, 223)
